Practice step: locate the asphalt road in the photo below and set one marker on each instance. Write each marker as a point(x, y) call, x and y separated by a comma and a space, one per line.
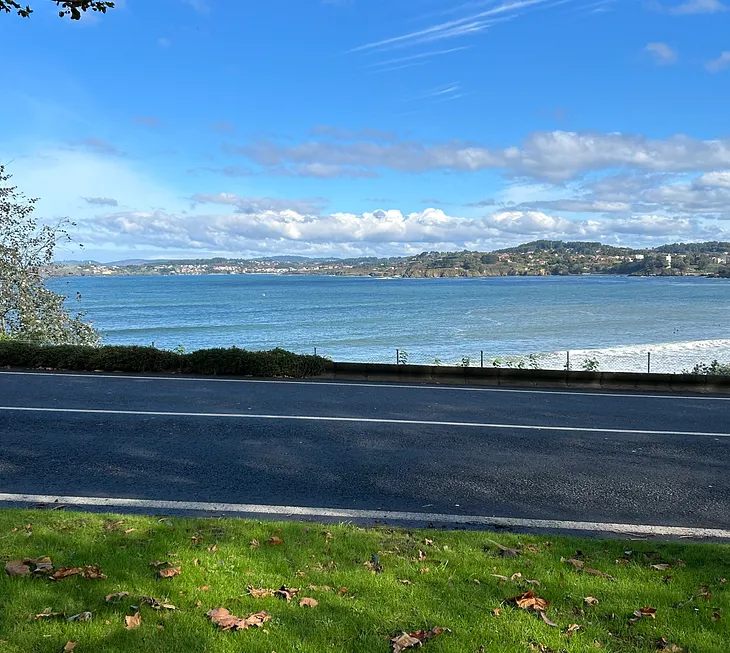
point(622, 458)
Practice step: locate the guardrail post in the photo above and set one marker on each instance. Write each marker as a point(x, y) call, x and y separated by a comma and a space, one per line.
point(397, 356)
point(315, 350)
point(648, 363)
point(481, 363)
point(567, 362)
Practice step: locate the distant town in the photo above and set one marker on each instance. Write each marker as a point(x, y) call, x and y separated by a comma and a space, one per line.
point(537, 258)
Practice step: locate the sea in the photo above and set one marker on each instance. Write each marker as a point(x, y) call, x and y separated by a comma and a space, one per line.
point(666, 324)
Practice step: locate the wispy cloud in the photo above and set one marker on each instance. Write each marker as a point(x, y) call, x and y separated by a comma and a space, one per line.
point(223, 127)
point(95, 145)
point(471, 24)
point(100, 201)
point(150, 121)
point(422, 55)
point(440, 91)
point(201, 6)
point(698, 7)
point(721, 63)
point(662, 54)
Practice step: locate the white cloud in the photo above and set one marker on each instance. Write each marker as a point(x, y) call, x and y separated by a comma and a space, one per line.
point(718, 178)
point(663, 54)
point(556, 156)
point(698, 7)
point(722, 62)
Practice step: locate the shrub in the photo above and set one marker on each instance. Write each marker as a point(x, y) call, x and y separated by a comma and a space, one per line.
point(274, 363)
point(715, 368)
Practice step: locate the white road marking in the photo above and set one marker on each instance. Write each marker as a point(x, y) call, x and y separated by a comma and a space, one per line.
point(410, 386)
point(362, 420)
point(382, 515)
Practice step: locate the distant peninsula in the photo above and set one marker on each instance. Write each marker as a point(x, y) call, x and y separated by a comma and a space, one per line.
point(537, 258)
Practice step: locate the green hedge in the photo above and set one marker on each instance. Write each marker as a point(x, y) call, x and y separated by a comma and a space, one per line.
point(239, 362)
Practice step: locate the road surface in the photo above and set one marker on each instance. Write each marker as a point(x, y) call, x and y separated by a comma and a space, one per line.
point(335, 449)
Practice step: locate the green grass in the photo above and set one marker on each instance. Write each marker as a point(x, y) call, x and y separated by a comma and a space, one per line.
point(457, 592)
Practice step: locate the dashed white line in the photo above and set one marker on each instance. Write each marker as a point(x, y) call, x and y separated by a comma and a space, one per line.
point(383, 516)
point(346, 384)
point(360, 420)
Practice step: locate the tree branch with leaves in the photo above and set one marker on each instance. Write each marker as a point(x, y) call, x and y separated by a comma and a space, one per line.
point(71, 8)
point(28, 309)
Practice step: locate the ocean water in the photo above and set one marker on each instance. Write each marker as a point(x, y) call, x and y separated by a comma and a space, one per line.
point(615, 320)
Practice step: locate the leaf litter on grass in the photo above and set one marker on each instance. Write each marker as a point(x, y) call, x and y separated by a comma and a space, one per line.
point(222, 618)
point(416, 639)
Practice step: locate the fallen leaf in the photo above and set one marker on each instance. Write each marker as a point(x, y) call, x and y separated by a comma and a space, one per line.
point(661, 567)
point(424, 570)
point(82, 616)
point(546, 620)
point(404, 640)
point(590, 600)
point(299, 574)
point(497, 611)
point(70, 646)
point(157, 605)
point(528, 601)
point(196, 561)
point(132, 622)
point(578, 564)
point(16, 568)
point(597, 644)
point(274, 541)
point(213, 548)
point(49, 614)
point(533, 582)
point(505, 551)
point(116, 597)
point(504, 578)
point(226, 621)
point(705, 595)
point(716, 616)
point(160, 627)
point(287, 593)
point(598, 572)
point(573, 628)
point(405, 581)
point(515, 577)
point(428, 542)
point(254, 544)
point(421, 555)
point(169, 572)
point(203, 588)
point(39, 566)
point(342, 592)
point(645, 612)
point(91, 572)
point(308, 603)
point(667, 579)
point(130, 530)
point(532, 548)
point(664, 645)
point(260, 593)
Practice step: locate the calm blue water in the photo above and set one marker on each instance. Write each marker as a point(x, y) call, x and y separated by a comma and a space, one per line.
point(367, 319)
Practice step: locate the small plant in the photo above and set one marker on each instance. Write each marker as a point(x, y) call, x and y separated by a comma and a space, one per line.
point(521, 365)
point(180, 349)
point(715, 368)
point(534, 362)
point(496, 363)
point(465, 362)
point(402, 357)
point(591, 365)
point(437, 362)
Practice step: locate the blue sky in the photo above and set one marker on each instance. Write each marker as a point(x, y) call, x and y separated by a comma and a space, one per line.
point(348, 127)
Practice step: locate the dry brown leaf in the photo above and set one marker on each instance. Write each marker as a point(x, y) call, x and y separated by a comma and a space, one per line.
point(130, 530)
point(405, 581)
point(157, 605)
point(16, 568)
point(274, 541)
point(49, 614)
point(213, 548)
point(590, 600)
point(716, 616)
point(226, 621)
point(532, 548)
point(660, 567)
point(342, 592)
point(505, 551)
point(116, 597)
point(287, 593)
point(196, 561)
point(515, 577)
point(70, 646)
point(573, 628)
point(547, 621)
point(528, 601)
point(308, 603)
point(645, 612)
point(504, 578)
point(260, 592)
point(428, 542)
point(421, 555)
point(169, 572)
point(39, 566)
point(497, 611)
point(93, 572)
point(578, 564)
point(133, 621)
point(203, 588)
point(664, 645)
point(424, 570)
point(405, 641)
point(254, 544)
point(598, 572)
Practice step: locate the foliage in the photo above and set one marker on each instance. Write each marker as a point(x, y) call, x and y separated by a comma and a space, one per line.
point(234, 361)
point(591, 365)
point(72, 8)
point(715, 368)
point(402, 357)
point(28, 310)
point(487, 597)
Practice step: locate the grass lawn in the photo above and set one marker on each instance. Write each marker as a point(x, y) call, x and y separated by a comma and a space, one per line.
point(456, 580)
